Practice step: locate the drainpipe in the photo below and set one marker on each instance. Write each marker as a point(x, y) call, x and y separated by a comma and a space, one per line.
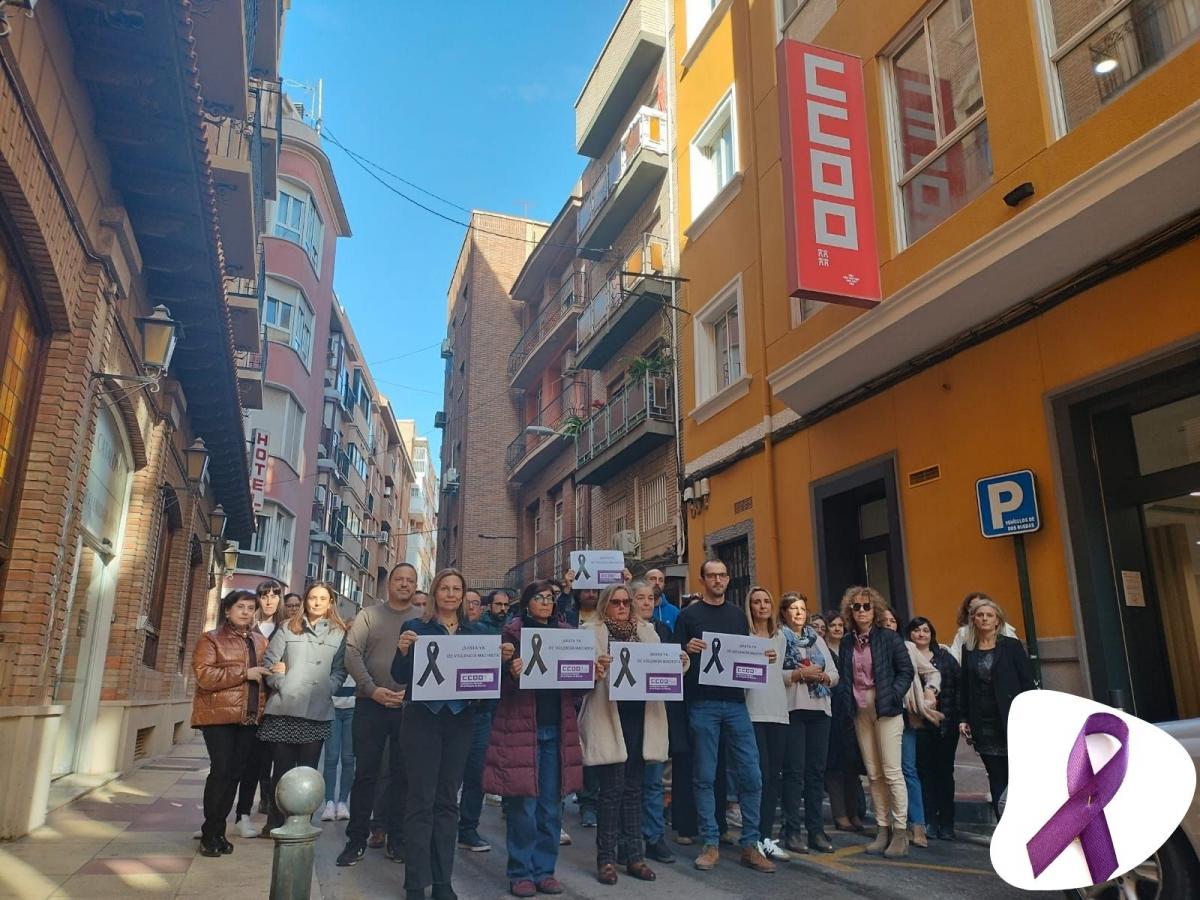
point(673, 230)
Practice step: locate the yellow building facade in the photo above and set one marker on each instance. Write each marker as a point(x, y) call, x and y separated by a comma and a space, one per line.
point(1035, 167)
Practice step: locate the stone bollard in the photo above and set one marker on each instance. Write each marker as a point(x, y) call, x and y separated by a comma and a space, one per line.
point(300, 793)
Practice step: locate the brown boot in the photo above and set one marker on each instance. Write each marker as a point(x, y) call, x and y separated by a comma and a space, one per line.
point(898, 848)
point(752, 858)
point(709, 857)
point(919, 838)
point(882, 836)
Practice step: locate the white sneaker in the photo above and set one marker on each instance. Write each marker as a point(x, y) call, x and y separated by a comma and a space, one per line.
point(771, 850)
point(564, 839)
point(343, 812)
point(329, 813)
point(491, 799)
point(246, 828)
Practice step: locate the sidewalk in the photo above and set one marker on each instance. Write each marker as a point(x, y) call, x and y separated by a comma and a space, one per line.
point(133, 837)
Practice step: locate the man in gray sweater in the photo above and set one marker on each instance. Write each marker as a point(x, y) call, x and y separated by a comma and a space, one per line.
point(370, 650)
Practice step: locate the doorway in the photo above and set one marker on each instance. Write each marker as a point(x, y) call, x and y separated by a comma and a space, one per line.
point(858, 535)
point(1133, 478)
point(736, 556)
point(89, 611)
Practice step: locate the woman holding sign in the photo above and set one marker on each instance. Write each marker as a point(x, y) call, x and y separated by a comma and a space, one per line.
point(769, 713)
point(439, 732)
point(533, 758)
point(621, 736)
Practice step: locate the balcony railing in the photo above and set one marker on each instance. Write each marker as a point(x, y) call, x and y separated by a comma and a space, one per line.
point(648, 129)
point(548, 563)
point(570, 299)
point(252, 360)
point(569, 408)
point(341, 465)
point(649, 257)
point(632, 404)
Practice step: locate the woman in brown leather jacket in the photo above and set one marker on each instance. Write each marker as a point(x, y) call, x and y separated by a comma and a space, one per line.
point(229, 702)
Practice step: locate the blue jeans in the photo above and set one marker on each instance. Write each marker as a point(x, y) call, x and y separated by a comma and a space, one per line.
point(470, 804)
point(654, 825)
point(709, 721)
point(912, 781)
point(339, 748)
point(535, 823)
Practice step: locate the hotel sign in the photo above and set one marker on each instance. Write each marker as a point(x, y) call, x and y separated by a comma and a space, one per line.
point(260, 457)
point(829, 210)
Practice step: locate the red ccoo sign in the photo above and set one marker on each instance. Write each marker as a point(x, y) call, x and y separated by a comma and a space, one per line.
point(830, 213)
point(260, 457)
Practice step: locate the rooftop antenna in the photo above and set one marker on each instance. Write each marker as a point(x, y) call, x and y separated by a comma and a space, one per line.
point(312, 109)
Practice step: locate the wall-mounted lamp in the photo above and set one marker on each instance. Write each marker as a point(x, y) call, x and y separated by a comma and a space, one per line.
point(231, 556)
point(160, 333)
point(216, 522)
point(540, 430)
point(197, 461)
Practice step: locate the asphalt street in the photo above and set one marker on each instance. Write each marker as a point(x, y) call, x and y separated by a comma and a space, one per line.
point(945, 870)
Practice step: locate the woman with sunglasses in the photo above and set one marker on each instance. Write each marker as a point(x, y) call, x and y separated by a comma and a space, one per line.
point(875, 662)
point(619, 738)
point(257, 774)
point(534, 758)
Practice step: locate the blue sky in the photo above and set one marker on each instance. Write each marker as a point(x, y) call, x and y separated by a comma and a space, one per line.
point(473, 101)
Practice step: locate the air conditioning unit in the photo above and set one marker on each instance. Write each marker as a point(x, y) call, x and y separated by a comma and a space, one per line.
point(447, 351)
point(568, 364)
point(439, 420)
point(627, 542)
point(311, 572)
point(450, 481)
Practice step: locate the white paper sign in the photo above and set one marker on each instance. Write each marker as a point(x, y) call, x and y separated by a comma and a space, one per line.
point(645, 671)
point(1135, 593)
point(456, 667)
point(558, 658)
point(597, 569)
point(734, 660)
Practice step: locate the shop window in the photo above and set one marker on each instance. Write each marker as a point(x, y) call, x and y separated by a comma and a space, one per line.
point(1097, 47)
point(941, 147)
point(20, 360)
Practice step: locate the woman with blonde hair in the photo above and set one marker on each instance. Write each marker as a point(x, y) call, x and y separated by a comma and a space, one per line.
point(768, 709)
point(619, 737)
point(963, 621)
point(994, 670)
point(306, 656)
point(875, 662)
point(439, 732)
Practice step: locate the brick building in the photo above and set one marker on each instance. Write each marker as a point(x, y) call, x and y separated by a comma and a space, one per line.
point(423, 505)
point(136, 153)
point(477, 522)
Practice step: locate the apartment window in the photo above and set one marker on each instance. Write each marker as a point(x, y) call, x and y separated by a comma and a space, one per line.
point(787, 11)
point(289, 318)
point(298, 220)
point(618, 518)
point(714, 155)
point(289, 214)
point(271, 549)
point(1100, 46)
point(656, 511)
point(283, 419)
point(940, 132)
point(357, 460)
point(696, 14)
point(718, 339)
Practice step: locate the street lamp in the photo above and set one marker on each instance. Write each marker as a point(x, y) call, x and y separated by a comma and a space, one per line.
point(540, 430)
point(231, 556)
point(159, 335)
point(197, 461)
point(216, 521)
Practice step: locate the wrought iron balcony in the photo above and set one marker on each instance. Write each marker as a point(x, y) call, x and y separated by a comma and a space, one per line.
point(631, 172)
point(552, 321)
point(251, 373)
point(548, 563)
point(636, 419)
point(630, 296)
point(532, 451)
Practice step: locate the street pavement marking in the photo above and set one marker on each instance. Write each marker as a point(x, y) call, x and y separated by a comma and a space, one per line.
point(954, 870)
point(840, 861)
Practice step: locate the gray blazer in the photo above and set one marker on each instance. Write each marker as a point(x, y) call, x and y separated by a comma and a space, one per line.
point(316, 667)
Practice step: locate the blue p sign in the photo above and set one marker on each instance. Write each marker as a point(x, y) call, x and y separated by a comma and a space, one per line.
point(1008, 504)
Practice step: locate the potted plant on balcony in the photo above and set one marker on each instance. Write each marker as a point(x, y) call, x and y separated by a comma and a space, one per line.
point(572, 425)
point(660, 362)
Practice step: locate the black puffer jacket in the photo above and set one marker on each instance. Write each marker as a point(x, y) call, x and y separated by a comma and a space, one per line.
point(893, 671)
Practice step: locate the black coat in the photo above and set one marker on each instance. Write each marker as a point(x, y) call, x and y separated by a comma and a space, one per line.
point(677, 723)
point(892, 667)
point(948, 666)
point(1011, 675)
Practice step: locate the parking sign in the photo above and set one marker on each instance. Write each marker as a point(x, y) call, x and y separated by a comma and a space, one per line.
point(1008, 504)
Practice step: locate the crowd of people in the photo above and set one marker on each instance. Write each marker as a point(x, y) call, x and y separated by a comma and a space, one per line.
point(284, 680)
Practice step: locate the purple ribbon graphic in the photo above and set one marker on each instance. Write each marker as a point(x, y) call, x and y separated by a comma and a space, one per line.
point(1082, 816)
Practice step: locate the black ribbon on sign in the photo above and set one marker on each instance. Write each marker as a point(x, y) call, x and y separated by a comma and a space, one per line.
point(581, 567)
point(716, 657)
point(536, 660)
point(431, 652)
point(625, 674)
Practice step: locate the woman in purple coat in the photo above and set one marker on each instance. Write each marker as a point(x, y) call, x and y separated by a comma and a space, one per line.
point(534, 758)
